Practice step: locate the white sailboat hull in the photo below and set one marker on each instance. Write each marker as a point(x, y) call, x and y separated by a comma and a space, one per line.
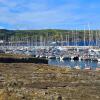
point(98, 60)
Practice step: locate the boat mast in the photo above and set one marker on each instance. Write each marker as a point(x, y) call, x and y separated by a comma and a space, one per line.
point(84, 37)
point(68, 39)
point(72, 38)
point(96, 38)
point(76, 37)
point(99, 38)
point(89, 35)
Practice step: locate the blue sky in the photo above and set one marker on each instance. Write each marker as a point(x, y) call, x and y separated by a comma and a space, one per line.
point(49, 14)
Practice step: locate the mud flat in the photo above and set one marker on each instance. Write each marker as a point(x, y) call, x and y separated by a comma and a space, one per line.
point(28, 81)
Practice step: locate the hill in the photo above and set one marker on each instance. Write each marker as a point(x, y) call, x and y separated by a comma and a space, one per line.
point(54, 34)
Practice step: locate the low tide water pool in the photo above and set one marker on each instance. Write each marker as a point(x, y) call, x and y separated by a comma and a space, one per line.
point(72, 64)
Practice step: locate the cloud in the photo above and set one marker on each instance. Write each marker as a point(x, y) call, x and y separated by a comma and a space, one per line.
point(33, 14)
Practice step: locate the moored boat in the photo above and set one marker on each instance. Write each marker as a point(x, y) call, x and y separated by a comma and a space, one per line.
point(99, 60)
point(51, 57)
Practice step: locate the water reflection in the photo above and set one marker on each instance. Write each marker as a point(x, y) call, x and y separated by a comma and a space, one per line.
point(72, 64)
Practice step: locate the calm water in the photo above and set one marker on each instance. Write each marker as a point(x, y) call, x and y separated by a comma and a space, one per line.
point(72, 64)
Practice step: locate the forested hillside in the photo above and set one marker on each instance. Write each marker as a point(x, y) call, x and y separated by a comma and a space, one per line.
point(53, 34)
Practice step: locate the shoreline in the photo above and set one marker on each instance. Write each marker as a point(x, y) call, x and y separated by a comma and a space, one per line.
point(31, 81)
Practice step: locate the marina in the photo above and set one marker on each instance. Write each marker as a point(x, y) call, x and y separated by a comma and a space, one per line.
point(49, 49)
point(70, 56)
point(78, 49)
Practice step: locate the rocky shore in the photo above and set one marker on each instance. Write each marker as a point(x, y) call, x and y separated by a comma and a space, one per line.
point(28, 81)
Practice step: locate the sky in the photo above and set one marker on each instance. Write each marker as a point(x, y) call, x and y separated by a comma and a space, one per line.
point(49, 14)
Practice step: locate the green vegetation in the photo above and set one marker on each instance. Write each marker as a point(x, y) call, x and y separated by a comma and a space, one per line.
point(51, 34)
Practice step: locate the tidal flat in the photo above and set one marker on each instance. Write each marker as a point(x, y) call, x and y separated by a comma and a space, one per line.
point(28, 81)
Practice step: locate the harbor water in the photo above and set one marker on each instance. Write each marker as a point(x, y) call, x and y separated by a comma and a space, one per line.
point(72, 64)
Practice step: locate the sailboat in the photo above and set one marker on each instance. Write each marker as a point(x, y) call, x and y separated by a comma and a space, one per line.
point(98, 60)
